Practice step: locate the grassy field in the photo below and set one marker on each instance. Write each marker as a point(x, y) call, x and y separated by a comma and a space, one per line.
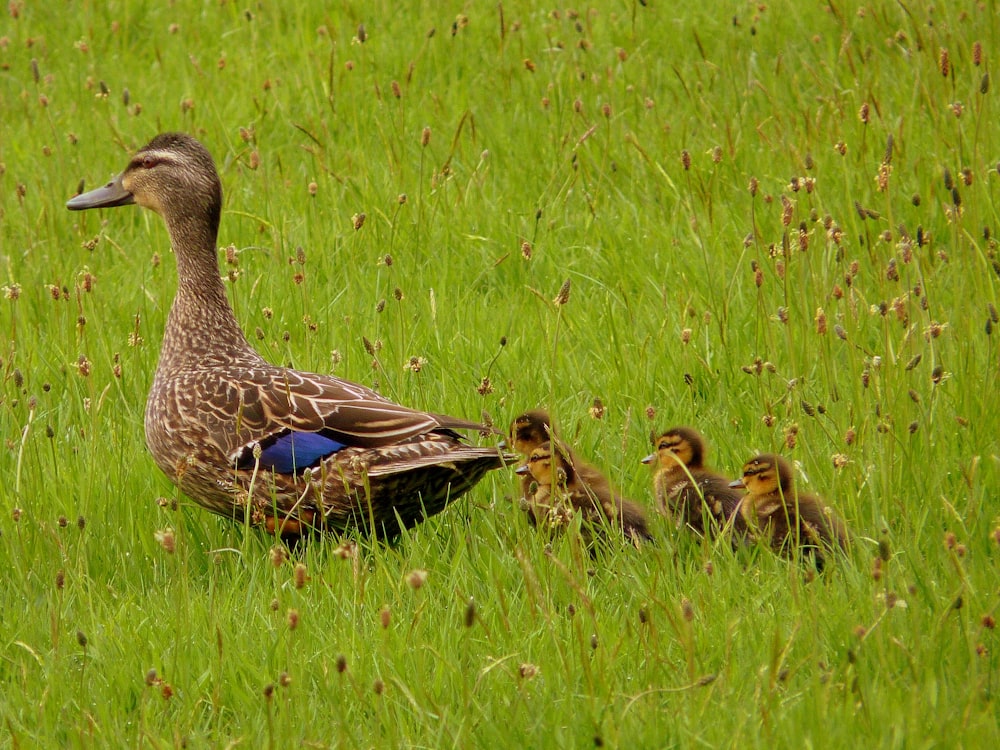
point(778, 223)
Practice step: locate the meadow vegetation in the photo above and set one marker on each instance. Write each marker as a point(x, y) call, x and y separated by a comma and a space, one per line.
point(777, 223)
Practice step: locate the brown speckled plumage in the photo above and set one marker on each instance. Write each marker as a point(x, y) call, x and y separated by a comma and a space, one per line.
point(215, 403)
point(688, 492)
point(560, 493)
point(782, 516)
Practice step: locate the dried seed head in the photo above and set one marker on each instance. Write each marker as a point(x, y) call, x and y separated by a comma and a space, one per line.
point(526, 250)
point(469, 618)
point(277, 555)
point(686, 160)
point(864, 114)
point(425, 136)
point(358, 220)
point(944, 62)
point(293, 619)
point(166, 539)
point(300, 575)
point(385, 617)
point(563, 296)
point(977, 53)
point(416, 578)
point(687, 609)
point(597, 409)
point(791, 436)
point(60, 579)
point(820, 321)
point(527, 671)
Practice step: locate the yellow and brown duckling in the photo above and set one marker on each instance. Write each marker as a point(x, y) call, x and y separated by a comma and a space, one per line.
point(559, 493)
point(527, 432)
point(775, 510)
point(690, 493)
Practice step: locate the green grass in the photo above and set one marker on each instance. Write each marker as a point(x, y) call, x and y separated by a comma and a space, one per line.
point(581, 157)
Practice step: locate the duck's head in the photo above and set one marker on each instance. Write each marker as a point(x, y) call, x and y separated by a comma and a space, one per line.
point(530, 430)
point(173, 175)
point(766, 474)
point(548, 464)
point(678, 445)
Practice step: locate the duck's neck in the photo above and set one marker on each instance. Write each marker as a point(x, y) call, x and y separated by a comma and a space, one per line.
point(201, 325)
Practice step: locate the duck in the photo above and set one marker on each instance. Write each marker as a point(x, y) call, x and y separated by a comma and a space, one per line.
point(560, 493)
point(528, 431)
point(782, 516)
point(288, 450)
point(690, 493)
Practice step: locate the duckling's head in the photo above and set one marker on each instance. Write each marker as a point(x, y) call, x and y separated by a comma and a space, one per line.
point(766, 474)
point(548, 464)
point(678, 445)
point(173, 175)
point(530, 430)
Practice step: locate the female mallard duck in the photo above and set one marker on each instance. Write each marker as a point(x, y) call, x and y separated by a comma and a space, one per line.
point(560, 493)
point(690, 493)
point(786, 518)
point(250, 440)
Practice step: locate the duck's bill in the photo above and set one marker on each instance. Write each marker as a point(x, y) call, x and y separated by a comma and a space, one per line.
point(522, 470)
point(112, 194)
point(650, 458)
point(738, 485)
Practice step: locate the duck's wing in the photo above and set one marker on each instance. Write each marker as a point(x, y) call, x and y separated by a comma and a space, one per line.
point(293, 419)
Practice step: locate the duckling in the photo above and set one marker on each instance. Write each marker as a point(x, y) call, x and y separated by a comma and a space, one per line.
point(787, 518)
point(561, 493)
point(690, 493)
point(528, 431)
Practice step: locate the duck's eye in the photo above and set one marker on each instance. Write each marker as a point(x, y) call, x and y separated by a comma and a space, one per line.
point(148, 161)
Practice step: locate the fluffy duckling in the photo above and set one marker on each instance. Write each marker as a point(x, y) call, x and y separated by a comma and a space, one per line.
point(560, 493)
point(527, 432)
point(775, 509)
point(687, 491)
